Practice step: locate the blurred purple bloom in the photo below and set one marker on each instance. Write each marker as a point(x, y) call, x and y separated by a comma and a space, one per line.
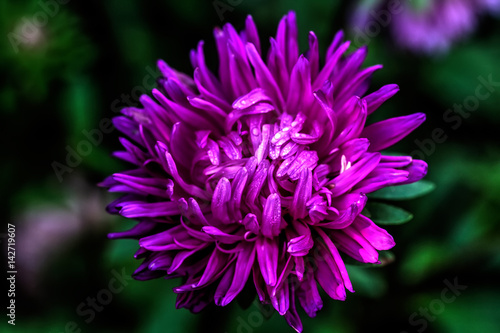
point(425, 26)
point(46, 230)
point(258, 175)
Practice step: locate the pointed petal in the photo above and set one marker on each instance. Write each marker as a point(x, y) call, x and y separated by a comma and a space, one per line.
point(267, 255)
point(387, 132)
point(375, 99)
point(271, 217)
point(291, 316)
point(220, 199)
point(378, 237)
point(302, 195)
point(157, 209)
point(417, 170)
point(308, 295)
point(243, 266)
point(252, 36)
point(222, 236)
point(346, 180)
point(218, 260)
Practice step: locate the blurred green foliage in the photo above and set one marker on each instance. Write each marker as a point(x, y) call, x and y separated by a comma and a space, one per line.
point(63, 78)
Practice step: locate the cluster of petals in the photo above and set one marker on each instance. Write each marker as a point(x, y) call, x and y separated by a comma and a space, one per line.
point(257, 176)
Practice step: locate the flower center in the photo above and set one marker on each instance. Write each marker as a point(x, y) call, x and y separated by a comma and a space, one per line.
point(263, 158)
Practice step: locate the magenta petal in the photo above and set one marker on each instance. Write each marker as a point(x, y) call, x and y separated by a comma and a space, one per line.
point(417, 170)
point(215, 108)
point(271, 216)
point(180, 257)
point(300, 268)
point(256, 109)
point(267, 255)
point(264, 77)
point(218, 260)
point(251, 223)
point(378, 237)
point(336, 260)
point(328, 276)
point(286, 37)
point(385, 133)
point(395, 161)
point(351, 242)
point(346, 180)
point(191, 189)
point(195, 214)
point(158, 209)
point(354, 149)
point(347, 215)
point(220, 199)
point(136, 155)
point(238, 186)
point(213, 152)
point(164, 240)
point(224, 285)
point(350, 68)
point(308, 295)
point(183, 113)
point(260, 285)
point(221, 236)
point(300, 245)
point(299, 91)
point(128, 127)
point(242, 271)
point(335, 44)
point(375, 99)
point(252, 36)
point(152, 186)
point(325, 73)
point(280, 300)
point(302, 195)
point(182, 150)
point(291, 316)
point(313, 55)
point(255, 96)
point(257, 182)
point(142, 273)
point(191, 228)
point(160, 263)
point(380, 178)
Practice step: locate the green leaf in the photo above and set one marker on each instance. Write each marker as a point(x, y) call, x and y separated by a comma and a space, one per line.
point(404, 192)
point(385, 214)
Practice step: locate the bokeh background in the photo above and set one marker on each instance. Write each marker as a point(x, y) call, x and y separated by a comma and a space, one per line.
point(66, 77)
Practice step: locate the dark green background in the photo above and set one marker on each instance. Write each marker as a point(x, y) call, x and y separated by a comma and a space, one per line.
point(92, 52)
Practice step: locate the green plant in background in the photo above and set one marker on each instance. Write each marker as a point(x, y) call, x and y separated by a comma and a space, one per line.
point(44, 45)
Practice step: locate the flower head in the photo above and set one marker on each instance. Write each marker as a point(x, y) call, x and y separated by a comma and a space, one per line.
point(258, 175)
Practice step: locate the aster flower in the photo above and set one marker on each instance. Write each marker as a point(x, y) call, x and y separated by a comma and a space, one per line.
point(258, 175)
point(427, 26)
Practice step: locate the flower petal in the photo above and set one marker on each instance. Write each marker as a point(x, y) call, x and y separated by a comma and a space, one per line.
point(267, 255)
point(385, 133)
point(242, 271)
point(271, 216)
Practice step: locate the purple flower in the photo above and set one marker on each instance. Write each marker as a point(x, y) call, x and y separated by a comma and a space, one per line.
point(425, 26)
point(257, 175)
